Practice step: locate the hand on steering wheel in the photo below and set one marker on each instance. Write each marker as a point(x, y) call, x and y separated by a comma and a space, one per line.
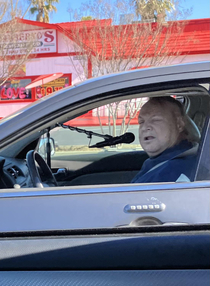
point(32, 158)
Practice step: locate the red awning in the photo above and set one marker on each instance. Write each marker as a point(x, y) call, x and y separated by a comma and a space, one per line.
point(43, 79)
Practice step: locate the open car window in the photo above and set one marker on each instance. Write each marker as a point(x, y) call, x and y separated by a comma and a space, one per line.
point(78, 151)
point(80, 138)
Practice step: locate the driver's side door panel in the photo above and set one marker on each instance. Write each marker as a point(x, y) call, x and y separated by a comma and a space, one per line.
point(94, 207)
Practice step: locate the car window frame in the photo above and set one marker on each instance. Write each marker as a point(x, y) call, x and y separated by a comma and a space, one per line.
point(94, 96)
point(122, 93)
point(204, 148)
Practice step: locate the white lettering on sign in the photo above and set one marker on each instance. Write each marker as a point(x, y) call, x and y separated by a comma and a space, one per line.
point(38, 41)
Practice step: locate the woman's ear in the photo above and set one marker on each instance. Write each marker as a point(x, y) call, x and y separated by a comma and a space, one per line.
point(180, 123)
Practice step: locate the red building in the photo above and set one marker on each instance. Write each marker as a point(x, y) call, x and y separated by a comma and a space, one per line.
point(55, 52)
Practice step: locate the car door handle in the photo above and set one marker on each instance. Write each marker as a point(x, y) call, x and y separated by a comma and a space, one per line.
point(141, 208)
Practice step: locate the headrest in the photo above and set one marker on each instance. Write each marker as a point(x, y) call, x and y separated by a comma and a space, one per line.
point(193, 131)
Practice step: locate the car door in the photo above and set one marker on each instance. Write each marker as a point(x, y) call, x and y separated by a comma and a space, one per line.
point(102, 206)
point(105, 205)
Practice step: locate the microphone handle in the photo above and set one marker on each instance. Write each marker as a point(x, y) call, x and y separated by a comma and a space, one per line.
point(109, 142)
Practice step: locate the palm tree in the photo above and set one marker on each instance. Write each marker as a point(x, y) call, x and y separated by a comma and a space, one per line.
point(153, 9)
point(43, 8)
point(86, 18)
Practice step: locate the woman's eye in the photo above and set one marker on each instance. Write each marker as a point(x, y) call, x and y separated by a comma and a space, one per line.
point(156, 119)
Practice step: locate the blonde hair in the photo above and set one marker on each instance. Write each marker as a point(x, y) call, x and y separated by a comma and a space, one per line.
point(178, 111)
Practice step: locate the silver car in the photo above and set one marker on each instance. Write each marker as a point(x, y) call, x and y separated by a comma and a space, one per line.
point(67, 160)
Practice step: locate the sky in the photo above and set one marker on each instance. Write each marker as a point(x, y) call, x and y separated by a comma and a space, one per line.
point(200, 9)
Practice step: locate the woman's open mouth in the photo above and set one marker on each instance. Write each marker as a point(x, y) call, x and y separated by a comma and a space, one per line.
point(148, 138)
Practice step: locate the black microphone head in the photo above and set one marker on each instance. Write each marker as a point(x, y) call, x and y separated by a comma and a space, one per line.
point(125, 138)
point(128, 137)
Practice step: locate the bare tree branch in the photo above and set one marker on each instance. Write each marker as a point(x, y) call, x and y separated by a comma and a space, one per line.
point(119, 47)
point(13, 52)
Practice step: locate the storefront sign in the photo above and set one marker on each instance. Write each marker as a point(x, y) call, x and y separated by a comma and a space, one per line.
point(14, 90)
point(52, 86)
point(40, 41)
point(14, 93)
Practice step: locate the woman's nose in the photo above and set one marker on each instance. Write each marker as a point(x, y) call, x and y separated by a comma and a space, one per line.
point(146, 126)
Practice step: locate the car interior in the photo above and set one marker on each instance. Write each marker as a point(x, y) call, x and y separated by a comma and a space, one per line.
point(112, 169)
point(93, 167)
point(116, 169)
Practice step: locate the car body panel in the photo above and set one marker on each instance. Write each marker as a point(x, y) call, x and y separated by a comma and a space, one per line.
point(103, 206)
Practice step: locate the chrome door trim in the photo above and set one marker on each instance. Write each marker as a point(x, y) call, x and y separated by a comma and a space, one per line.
point(119, 188)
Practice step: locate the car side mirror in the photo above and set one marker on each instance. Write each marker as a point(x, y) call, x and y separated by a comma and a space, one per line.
point(42, 148)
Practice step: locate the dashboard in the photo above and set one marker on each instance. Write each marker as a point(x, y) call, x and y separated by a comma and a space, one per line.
point(102, 278)
point(14, 173)
point(144, 256)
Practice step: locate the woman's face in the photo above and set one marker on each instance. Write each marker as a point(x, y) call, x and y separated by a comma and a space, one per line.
point(159, 128)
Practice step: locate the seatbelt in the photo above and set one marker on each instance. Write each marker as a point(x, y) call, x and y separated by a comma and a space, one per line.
point(191, 151)
point(156, 166)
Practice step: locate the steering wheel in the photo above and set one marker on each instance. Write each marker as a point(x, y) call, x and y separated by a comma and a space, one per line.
point(32, 158)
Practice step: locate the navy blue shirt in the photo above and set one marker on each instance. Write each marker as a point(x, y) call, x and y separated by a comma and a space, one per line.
point(174, 167)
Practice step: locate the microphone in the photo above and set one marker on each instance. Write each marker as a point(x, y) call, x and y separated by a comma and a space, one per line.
point(125, 138)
